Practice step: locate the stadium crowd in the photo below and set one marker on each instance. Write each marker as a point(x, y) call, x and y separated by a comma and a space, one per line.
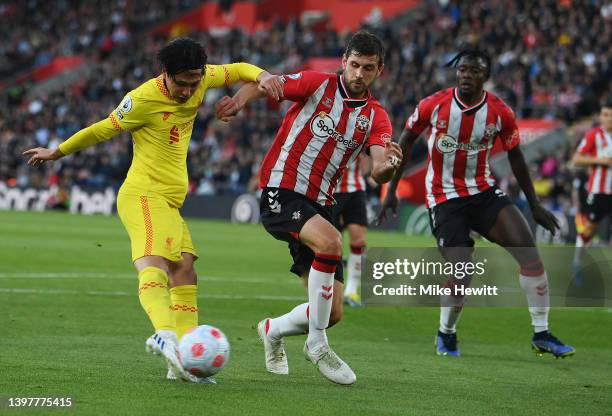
point(551, 60)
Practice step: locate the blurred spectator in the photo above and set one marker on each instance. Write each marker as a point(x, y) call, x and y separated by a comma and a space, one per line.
point(551, 59)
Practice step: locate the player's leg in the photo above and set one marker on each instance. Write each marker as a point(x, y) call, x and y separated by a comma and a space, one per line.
point(183, 282)
point(449, 225)
point(184, 294)
point(585, 230)
point(145, 220)
point(326, 243)
point(150, 222)
point(596, 208)
point(357, 238)
point(511, 231)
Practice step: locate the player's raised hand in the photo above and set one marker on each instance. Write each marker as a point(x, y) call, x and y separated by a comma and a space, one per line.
point(40, 155)
point(272, 85)
point(393, 153)
point(390, 202)
point(226, 108)
point(545, 218)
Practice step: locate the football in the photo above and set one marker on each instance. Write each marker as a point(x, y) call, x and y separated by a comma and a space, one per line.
point(204, 351)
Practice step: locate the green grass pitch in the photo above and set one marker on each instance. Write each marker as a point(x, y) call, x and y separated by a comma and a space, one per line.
point(72, 326)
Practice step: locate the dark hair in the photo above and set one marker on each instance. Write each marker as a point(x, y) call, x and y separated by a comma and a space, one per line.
point(366, 43)
point(472, 54)
point(607, 103)
point(180, 55)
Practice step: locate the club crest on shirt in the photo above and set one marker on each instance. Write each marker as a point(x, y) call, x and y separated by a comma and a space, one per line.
point(362, 123)
point(490, 131)
point(327, 102)
point(441, 124)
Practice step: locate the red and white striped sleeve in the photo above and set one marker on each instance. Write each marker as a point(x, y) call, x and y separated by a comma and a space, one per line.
point(300, 86)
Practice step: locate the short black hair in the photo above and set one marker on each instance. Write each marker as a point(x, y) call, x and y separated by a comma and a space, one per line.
point(180, 55)
point(607, 103)
point(472, 54)
point(366, 43)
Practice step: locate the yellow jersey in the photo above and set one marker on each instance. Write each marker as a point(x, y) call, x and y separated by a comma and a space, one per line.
point(161, 129)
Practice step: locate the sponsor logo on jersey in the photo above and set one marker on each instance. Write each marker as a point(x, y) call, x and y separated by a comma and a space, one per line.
point(119, 115)
point(448, 144)
point(322, 126)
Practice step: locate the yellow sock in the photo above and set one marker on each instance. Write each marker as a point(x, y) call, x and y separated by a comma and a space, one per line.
point(185, 307)
point(155, 298)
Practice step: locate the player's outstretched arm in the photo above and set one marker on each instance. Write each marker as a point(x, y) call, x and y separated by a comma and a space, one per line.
point(89, 136)
point(406, 142)
point(519, 168)
point(227, 107)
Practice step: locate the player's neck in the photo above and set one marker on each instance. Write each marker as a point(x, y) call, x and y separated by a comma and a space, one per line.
point(470, 99)
point(351, 95)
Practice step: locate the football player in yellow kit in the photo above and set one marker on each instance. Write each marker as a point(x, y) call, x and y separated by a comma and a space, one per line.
point(160, 114)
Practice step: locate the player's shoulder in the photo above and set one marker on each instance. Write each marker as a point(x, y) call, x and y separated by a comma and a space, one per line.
point(498, 104)
point(436, 98)
point(593, 132)
point(376, 105)
point(148, 90)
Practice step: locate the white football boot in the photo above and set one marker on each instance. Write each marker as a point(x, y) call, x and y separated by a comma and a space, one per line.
point(276, 358)
point(330, 365)
point(164, 342)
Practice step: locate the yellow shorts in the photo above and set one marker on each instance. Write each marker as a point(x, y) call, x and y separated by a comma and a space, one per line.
point(155, 228)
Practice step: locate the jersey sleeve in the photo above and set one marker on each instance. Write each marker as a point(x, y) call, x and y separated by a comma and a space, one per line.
point(420, 118)
point(94, 134)
point(509, 132)
point(300, 86)
point(217, 76)
point(130, 114)
point(382, 131)
point(587, 144)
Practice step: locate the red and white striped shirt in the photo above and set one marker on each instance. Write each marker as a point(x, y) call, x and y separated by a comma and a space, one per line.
point(461, 141)
point(598, 143)
point(352, 179)
point(322, 133)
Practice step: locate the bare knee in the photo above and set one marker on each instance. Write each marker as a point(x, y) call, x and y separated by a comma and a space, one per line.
point(331, 245)
point(185, 275)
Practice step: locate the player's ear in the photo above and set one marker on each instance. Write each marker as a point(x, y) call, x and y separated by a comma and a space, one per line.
point(344, 60)
point(380, 69)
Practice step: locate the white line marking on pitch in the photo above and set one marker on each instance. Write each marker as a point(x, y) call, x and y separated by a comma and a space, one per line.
point(122, 276)
point(119, 293)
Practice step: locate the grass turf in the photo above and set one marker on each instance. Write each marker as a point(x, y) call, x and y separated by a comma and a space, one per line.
point(72, 326)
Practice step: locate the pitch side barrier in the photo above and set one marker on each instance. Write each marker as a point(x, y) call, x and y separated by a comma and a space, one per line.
point(486, 276)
